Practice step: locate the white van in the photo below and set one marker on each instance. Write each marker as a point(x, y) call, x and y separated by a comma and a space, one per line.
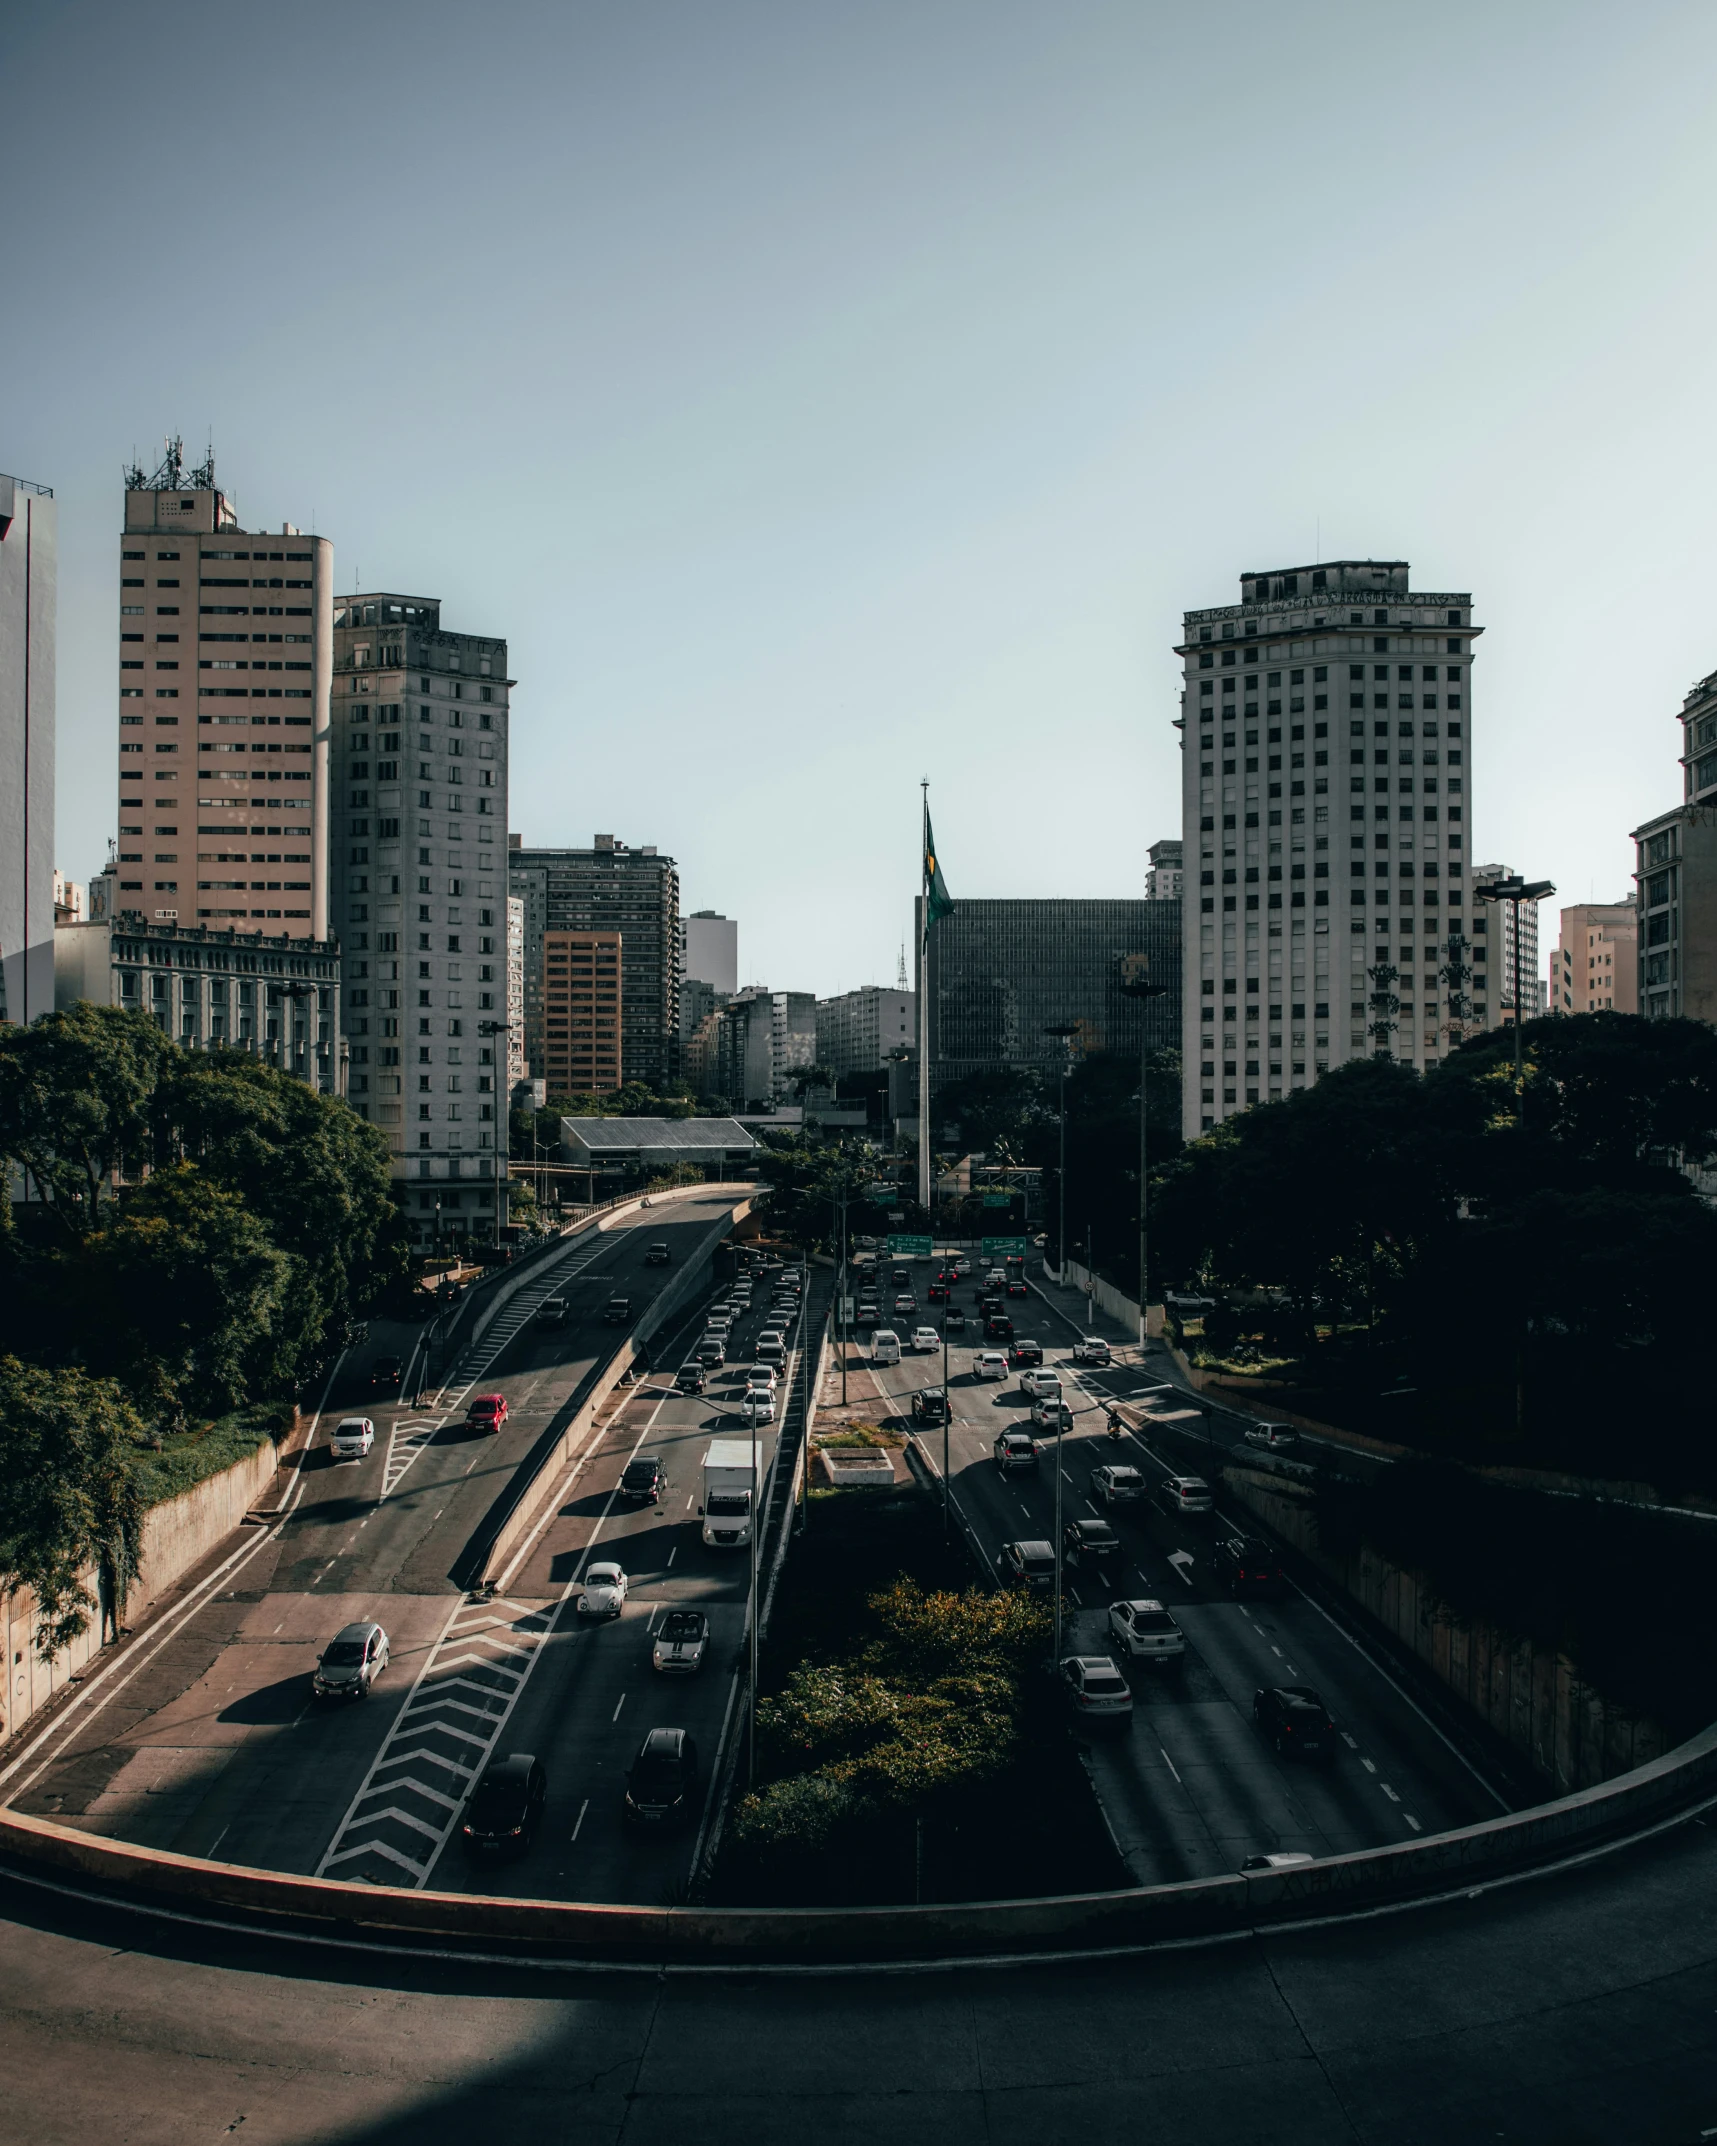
point(885, 1346)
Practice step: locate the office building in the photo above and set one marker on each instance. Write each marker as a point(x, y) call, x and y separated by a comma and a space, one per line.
point(857, 1031)
point(225, 664)
point(698, 1001)
point(608, 888)
point(1001, 973)
point(750, 1049)
point(29, 583)
point(1326, 797)
point(418, 897)
point(272, 995)
point(581, 986)
point(515, 992)
point(1676, 877)
point(1163, 880)
point(709, 949)
point(1594, 965)
point(1533, 996)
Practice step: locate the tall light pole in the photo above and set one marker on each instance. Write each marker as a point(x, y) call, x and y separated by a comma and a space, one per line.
point(1066, 1032)
point(1138, 988)
point(504, 1135)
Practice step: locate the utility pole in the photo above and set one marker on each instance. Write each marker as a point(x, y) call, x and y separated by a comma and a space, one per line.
point(1138, 987)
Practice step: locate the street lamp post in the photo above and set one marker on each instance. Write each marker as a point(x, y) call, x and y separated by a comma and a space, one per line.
point(1066, 1032)
point(501, 1028)
point(1137, 987)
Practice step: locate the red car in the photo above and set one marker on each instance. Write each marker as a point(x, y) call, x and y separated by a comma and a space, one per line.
point(487, 1412)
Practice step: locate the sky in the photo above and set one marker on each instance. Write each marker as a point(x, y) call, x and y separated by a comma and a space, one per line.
point(820, 398)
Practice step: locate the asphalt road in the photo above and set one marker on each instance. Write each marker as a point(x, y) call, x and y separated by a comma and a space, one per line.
point(1189, 1788)
point(211, 1744)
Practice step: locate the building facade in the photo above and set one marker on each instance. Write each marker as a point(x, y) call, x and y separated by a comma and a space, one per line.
point(418, 895)
point(1594, 965)
point(1163, 880)
point(751, 1049)
point(1326, 798)
point(29, 584)
point(516, 1068)
point(1001, 973)
point(225, 665)
point(709, 951)
point(273, 995)
point(607, 888)
point(1676, 875)
point(583, 973)
point(857, 1030)
point(1534, 995)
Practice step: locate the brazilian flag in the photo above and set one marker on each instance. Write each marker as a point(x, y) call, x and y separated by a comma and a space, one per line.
point(938, 902)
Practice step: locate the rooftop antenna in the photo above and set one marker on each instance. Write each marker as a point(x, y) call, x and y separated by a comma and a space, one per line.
point(901, 986)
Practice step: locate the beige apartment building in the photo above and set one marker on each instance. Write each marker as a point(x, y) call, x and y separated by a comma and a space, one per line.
point(1594, 965)
point(225, 664)
point(581, 996)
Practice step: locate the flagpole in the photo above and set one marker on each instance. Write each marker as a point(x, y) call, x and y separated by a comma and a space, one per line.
point(924, 1003)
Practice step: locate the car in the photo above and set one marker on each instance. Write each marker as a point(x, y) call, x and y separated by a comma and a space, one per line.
point(900, 1277)
point(553, 1311)
point(1179, 1495)
point(905, 1301)
point(641, 1480)
point(1096, 1689)
point(1179, 1301)
point(1296, 1721)
point(1248, 1567)
point(657, 1256)
point(1023, 1351)
point(989, 1364)
point(1016, 1285)
point(763, 1375)
point(1029, 1564)
point(991, 1300)
point(758, 1405)
point(1146, 1631)
point(937, 1292)
point(681, 1643)
point(617, 1311)
point(711, 1353)
point(998, 1327)
point(718, 1319)
point(351, 1662)
point(689, 1378)
point(885, 1346)
point(502, 1813)
point(603, 1593)
point(487, 1412)
point(1036, 1383)
point(953, 1320)
point(1273, 1437)
point(930, 1406)
point(1117, 1485)
point(996, 1278)
point(1014, 1450)
point(1090, 1542)
point(926, 1340)
point(1091, 1349)
point(1052, 1414)
point(1290, 1859)
point(386, 1374)
point(661, 1780)
point(770, 1349)
point(352, 1438)
point(962, 1266)
point(867, 1315)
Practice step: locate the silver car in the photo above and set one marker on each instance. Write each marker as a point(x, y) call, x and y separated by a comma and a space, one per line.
point(351, 1662)
point(682, 1640)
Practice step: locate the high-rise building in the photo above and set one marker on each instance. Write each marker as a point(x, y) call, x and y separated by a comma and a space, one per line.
point(1002, 973)
point(1163, 880)
point(1502, 937)
point(1676, 877)
point(418, 893)
point(608, 888)
point(1594, 965)
point(225, 664)
point(515, 991)
point(750, 1048)
point(29, 579)
point(1326, 796)
point(709, 949)
point(580, 997)
point(857, 1030)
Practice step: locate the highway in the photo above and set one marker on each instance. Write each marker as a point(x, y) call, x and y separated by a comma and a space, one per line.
point(1190, 1788)
point(212, 1744)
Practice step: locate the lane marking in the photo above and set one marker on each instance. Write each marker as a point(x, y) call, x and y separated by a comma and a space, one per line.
point(1389, 1792)
point(582, 1808)
point(1412, 1821)
point(620, 1702)
point(1169, 1763)
point(1370, 1765)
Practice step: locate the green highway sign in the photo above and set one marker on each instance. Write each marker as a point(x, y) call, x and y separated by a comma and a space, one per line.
point(909, 1248)
point(998, 1199)
point(1002, 1247)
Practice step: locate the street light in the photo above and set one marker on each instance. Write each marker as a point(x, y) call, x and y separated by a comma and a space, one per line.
point(292, 992)
point(502, 1028)
point(1066, 1033)
point(1137, 987)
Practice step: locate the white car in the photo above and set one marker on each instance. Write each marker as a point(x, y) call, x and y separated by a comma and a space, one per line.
point(990, 1364)
point(1090, 1349)
point(1038, 1384)
point(1145, 1629)
point(1184, 1494)
point(682, 1641)
point(1273, 1437)
point(603, 1593)
point(926, 1340)
point(758, 1404)
point(352, 1439)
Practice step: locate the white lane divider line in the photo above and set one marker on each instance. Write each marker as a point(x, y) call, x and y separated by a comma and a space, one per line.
point(582, 1808)
point(1277, 1652)
point(1389, 1792)
point(1412, 1821)
point(1169, 1763)
point(618, 1704)
point(1370, 1765)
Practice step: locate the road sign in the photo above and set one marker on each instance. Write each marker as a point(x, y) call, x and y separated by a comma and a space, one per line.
point(909, 1248)
point(998, 1199)
point(1003, 1247)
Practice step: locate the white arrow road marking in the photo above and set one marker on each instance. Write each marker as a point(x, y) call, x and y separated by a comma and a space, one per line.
point(1181, 1560)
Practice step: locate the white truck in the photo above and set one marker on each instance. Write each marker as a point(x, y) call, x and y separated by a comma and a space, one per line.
point(728, 1483)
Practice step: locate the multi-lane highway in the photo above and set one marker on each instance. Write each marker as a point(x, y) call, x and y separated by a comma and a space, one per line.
point(1190, 1788)
point(211, 1742)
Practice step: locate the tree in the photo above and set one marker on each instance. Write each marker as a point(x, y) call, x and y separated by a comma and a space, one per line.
point(75, 1089)
point(805, 1178)
point(69, 1496)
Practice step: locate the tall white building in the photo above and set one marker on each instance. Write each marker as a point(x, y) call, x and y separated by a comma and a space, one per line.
point(857, 1030)
point(709, 951)
point(1163, 880)
point(225, 667)
point(1326, 813)
point(1501, 958)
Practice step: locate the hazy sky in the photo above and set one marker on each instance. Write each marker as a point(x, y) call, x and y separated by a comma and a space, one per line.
point(818, 396)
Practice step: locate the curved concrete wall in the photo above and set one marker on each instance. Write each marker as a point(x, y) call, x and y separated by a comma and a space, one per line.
point(742, 1938)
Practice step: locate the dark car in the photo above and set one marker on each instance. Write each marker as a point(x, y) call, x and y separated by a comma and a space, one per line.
point(937, 1293)
point(617, 1311)
point(657, 1256)
point(955, 1320)
point(386, 1373)
point(990, 1301)
point(1247, 1567)
point(900, 1276)
point(641, 1481)
point(1016, 1285)
point(998, 1327)
point(661, 1780)
point(689, 1378)
point(1090, 1542)
point(506, 1806)
point(930, 1406)
point(1023, 1350)
point(1296, 1721)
